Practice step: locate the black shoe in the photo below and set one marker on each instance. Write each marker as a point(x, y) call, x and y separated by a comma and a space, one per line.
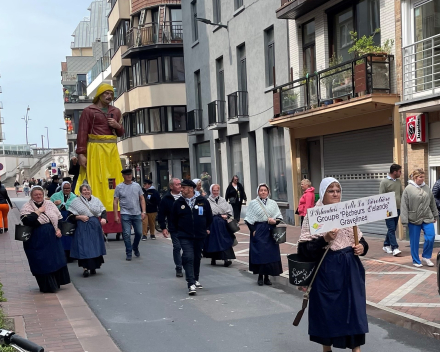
point(153, 237)
point(118, 236)
point(86, 273)
point(128, 258)
point(179, 273)
point(137, 253)
point(260, 282)
point(267, 282)
point(1, 230)
point(6, 229)
point(227, 263)
point(93, 272)
point(144, 238)
point(213, 262)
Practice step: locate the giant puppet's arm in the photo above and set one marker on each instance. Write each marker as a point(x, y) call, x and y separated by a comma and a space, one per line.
point(119, 129)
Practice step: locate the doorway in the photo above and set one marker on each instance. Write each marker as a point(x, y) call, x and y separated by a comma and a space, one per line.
point(163, 176)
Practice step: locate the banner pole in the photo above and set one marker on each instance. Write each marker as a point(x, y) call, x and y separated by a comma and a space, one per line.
point(355, 232)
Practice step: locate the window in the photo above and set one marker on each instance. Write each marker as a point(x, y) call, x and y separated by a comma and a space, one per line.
point(154, 120)
point(242, 71)
point(238, 4)
point(130, 77)
point(195, 29)
point(198, 90)
point(220, 80)
point(167, 69)
point(217, 15)
point(178, 69)
point(203, 163)
point(136, 64)
point(277, 164)
point(120, 37)
point(309, 52)
point(236, 157)
point(179, 118)
point(270, 56)
point(153, 71)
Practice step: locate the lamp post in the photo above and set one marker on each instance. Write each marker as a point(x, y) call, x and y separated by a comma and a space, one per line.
point(42, 142)
point(47, 133)
point(26, 121)
point(206, 21)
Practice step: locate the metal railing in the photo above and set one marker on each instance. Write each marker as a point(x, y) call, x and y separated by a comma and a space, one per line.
point(238, 105)
point(152, 33)
point(100, 66)
point(421, 67)
point(194, 120)
point(365, 75)
point(216, 112)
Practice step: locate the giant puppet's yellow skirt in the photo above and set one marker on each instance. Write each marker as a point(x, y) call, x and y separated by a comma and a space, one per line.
point(103, 170)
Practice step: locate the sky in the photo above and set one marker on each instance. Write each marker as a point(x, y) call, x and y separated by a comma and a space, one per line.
point(35, 38)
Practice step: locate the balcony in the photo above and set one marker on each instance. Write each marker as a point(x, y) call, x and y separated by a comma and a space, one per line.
point(293, 9)
point(238, 107)
point(194, 122)
point(217, 115)
point(100, 66)
point(120, 10)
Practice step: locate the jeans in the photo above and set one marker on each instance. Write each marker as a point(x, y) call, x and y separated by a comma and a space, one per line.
point(191, 257)
point(414, 239)
point(176, 251)
point(390, 239)
point(127, 222)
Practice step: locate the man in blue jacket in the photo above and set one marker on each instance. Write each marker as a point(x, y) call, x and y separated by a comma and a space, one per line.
point(164, 217)
point(192, 217)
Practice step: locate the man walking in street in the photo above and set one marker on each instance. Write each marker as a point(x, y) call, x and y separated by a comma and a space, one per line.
point(130, 198)
point(165, 209)
point(392, 184)
point(192, 218)
point(152, 200)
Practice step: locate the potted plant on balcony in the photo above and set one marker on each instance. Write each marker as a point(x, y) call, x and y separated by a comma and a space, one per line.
point(289, 101)
point(333, 78)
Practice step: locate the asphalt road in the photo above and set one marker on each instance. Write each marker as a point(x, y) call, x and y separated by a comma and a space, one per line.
point(145, 307)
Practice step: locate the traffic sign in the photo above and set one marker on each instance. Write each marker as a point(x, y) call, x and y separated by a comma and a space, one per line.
point(1, 166)
point(54, 164)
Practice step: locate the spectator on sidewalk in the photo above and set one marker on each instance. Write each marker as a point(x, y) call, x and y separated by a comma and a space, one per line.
point(17, 187)
point(53, 186)
point(130, 198)
point(152, 200)
point(199, 190)
point(166, 223)
point(74, 169)
point(262, 216)
point(44, 250)
point(26, 188)
point(419, 211)
point(88, 241)
point(191, 217)
point(392, 184)
point(307, 200)
point(236, 196)
point(4, 208)
point(337, 309)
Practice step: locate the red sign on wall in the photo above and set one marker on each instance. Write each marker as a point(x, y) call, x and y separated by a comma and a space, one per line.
point(416, 131)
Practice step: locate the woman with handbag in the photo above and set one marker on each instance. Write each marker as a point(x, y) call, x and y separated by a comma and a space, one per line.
point(262, 216)
point(44, 250)
point(88, 241)
point(218, 245)
point(62, 200)
point(236, 196)
point(307, 200)
point(337, 311)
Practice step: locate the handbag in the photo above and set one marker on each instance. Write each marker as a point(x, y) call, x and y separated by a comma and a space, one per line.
point(67, 228)
point(307, 293)
point(232, 225)
point(278, 233)
point(232, 200)
point(23, 232)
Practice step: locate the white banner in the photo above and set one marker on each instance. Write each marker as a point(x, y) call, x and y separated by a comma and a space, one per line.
point(353, 212)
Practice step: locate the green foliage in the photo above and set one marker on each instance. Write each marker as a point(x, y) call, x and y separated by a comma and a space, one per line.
point(3, 322)
point(331, 75)
point(365, 45)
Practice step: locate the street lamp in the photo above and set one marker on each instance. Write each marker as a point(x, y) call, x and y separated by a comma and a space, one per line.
point(206, 21)
point(47, 133)
point(42, 142)
point(26, 121)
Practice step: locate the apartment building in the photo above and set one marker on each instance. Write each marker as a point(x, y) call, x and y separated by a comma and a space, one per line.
point(231, 68)
point(340, 111)
point(147, 69)
point(89, 45)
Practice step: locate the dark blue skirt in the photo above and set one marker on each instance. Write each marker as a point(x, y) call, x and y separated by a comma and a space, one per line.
point(264, 252)
point(88, 240)
point(66, 240)
point(219, 238)
point(337, 306)
point(44, 251)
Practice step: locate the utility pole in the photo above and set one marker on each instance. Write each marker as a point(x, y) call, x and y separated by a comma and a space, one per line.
point(42, 143)
point(47, 133)
point(26, 121)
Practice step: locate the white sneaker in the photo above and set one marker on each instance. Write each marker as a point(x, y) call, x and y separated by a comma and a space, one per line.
point(192, 290)
point(427, 262)
point(387, 249)
point(397, 252)
point(198, 285)
point(417, 265)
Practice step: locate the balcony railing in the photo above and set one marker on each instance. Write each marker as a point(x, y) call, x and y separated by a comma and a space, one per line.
point(152, 33)
point(238, 105)
point(194, 120)
point(365, 75)
point(100, 66)
point(421, 68)
point(217, 112)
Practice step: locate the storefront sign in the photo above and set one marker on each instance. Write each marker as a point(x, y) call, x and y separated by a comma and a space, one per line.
point(353, 212)
point(416, 129)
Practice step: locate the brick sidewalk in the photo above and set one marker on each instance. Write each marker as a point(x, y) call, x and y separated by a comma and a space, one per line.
point(60, 322)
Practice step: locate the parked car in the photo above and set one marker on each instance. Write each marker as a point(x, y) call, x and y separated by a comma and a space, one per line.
point(438, 272)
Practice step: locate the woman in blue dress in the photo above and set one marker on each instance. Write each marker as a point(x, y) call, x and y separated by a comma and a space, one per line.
point(88, 244)
point(262, 216)
point(62, 200)
point(44, 249)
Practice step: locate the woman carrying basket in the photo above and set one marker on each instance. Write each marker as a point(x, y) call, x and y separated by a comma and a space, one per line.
point(262, 216)
point(337, 310)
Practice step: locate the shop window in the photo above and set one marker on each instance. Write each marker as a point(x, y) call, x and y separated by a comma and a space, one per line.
point(277, 164)
point(236, 157)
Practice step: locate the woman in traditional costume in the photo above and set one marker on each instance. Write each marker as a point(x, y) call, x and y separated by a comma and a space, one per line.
point(44, 249)
point(218, 245)
point(262, 216)
point(88, 244)
point(337, 309)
